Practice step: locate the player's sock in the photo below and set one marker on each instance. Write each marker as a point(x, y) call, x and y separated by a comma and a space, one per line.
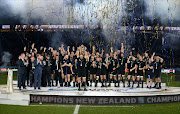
point(102, 82)
point(105, 82)
point(69, 84)
point(96, 82)
point(124, 82)
point(138, 82)
point(84, 85)
point(91, 81)
point(133, 83)
point(155, 85)
point(79, 86)
point(129, 82)
point(52, 82)
point(118, 81)
point(73, 84)
point(115, 83)
point(109, 82)
point(65, 83)
point(142, 83)
point(159, 84)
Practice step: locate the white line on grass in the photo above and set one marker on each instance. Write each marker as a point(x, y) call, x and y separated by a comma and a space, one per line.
point(76, 110)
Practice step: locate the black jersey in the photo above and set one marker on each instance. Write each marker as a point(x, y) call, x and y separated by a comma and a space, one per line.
point(140, 64)
point(122, 62)
point(131, 64)
point(91, 64)
point(48, 63)
point(99, 65)
point(146, 59)
point(66, 68)
point(53, 64)
point(113, 63)
point(157, 67)
point(150, 65)
point(74, 64)
point(104, 62)
point(81, 64)
point(57, 65)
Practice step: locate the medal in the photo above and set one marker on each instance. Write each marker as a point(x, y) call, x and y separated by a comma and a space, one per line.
point(81, 63)
point(139, 65)
point(75, 65)
point(156, 65)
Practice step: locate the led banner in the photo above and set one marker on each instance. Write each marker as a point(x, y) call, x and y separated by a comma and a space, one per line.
point(5, 28)
point(103, 100)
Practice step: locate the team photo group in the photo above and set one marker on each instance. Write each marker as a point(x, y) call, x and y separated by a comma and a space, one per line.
point(48, 67)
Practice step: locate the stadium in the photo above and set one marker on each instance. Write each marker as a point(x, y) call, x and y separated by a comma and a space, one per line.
point(89, 56)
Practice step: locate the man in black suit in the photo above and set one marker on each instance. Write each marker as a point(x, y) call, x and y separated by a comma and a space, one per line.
point(31, 65)
point(22, 71)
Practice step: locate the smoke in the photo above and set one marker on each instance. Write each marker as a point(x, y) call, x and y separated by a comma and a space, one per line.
point(109, 14)
point(56, 40)
point(165, 10)
point(106, 13)
point(6, 58)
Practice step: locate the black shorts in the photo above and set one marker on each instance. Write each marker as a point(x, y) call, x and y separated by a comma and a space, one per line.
point(103, 72)
point(121, 71)
point(92, 71)
point(157, 74)
point(75, 73)
point(149, 73)
point(110, 71)
point(131, 73)
point(98, 72)
point(67, 71)
point(140, 73)
point(115, 72)
point(52, 71)
point(81, 73)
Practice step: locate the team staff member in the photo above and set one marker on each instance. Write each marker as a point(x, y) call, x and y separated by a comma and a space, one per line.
point(22, 71)
point(31, 65)
point(38, 63)
point(157, 71)
point(81, 72)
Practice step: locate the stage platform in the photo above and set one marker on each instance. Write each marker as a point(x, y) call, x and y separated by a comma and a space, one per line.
point(51, 94)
